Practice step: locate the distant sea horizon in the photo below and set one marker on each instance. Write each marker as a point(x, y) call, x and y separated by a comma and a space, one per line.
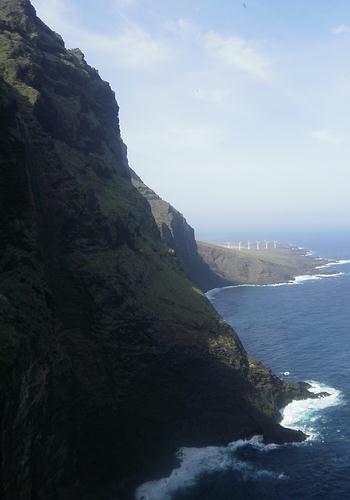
point(327, 243)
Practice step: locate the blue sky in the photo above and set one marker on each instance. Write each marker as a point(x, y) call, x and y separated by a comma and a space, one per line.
point(236, 115)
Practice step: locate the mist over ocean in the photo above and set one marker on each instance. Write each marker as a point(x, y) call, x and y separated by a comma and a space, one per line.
point(303, 329)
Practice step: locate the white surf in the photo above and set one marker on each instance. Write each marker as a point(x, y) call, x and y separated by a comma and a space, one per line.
point(303, 415)
point(195, 462)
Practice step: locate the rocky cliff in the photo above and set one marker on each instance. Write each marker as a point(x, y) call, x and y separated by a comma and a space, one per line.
point(179, 236)
point(109, 357)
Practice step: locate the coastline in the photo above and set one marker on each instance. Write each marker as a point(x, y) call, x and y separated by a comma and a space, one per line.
point(300, 404)
point(304, 390)
point(302, 413)
point(192, 463)
point(297, 279)
point(292, 399)
point(234, 266)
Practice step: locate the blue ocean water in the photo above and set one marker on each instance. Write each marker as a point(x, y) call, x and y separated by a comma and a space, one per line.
point(303, 329)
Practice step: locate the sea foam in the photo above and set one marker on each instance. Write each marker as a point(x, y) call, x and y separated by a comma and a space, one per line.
point(303, 415)
point(196, 462)
point(297, 280)
point(334, 263)
point(309, 277)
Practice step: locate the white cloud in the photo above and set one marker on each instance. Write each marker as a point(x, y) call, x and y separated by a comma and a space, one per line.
point(240, 54)
point(231, 52)
point(132, 48)
point(326, 136)
point(339, 30)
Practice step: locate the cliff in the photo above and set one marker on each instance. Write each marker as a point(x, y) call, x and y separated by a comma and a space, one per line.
point(110, 359)
point(179, 236)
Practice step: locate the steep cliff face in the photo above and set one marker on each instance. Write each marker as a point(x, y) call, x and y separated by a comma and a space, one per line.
point(109, 358)
point(179, 236)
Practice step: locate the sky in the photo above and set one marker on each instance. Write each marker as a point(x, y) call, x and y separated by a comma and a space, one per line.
point(235, 112)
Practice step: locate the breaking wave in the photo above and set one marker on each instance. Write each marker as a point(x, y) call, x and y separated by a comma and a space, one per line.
point(195, 462)
point(303, 415)
point(334, 263)
point(297, 280)
point(309, 277)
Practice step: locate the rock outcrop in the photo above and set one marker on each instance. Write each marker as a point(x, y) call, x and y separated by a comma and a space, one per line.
point(110, 358)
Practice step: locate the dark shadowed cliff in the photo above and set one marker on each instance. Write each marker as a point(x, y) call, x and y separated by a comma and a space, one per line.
point(109, 357)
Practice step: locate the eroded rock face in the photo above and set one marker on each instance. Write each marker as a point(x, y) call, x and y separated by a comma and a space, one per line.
point(109, 357)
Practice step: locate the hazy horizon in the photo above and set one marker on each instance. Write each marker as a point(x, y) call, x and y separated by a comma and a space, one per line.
point(236, 113)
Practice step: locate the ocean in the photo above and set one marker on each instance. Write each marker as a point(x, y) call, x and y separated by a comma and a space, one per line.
point(301, 331)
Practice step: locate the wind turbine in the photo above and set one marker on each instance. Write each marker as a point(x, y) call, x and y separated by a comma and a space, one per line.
point(266, 245)
point(248, 246)
point(257, 245)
